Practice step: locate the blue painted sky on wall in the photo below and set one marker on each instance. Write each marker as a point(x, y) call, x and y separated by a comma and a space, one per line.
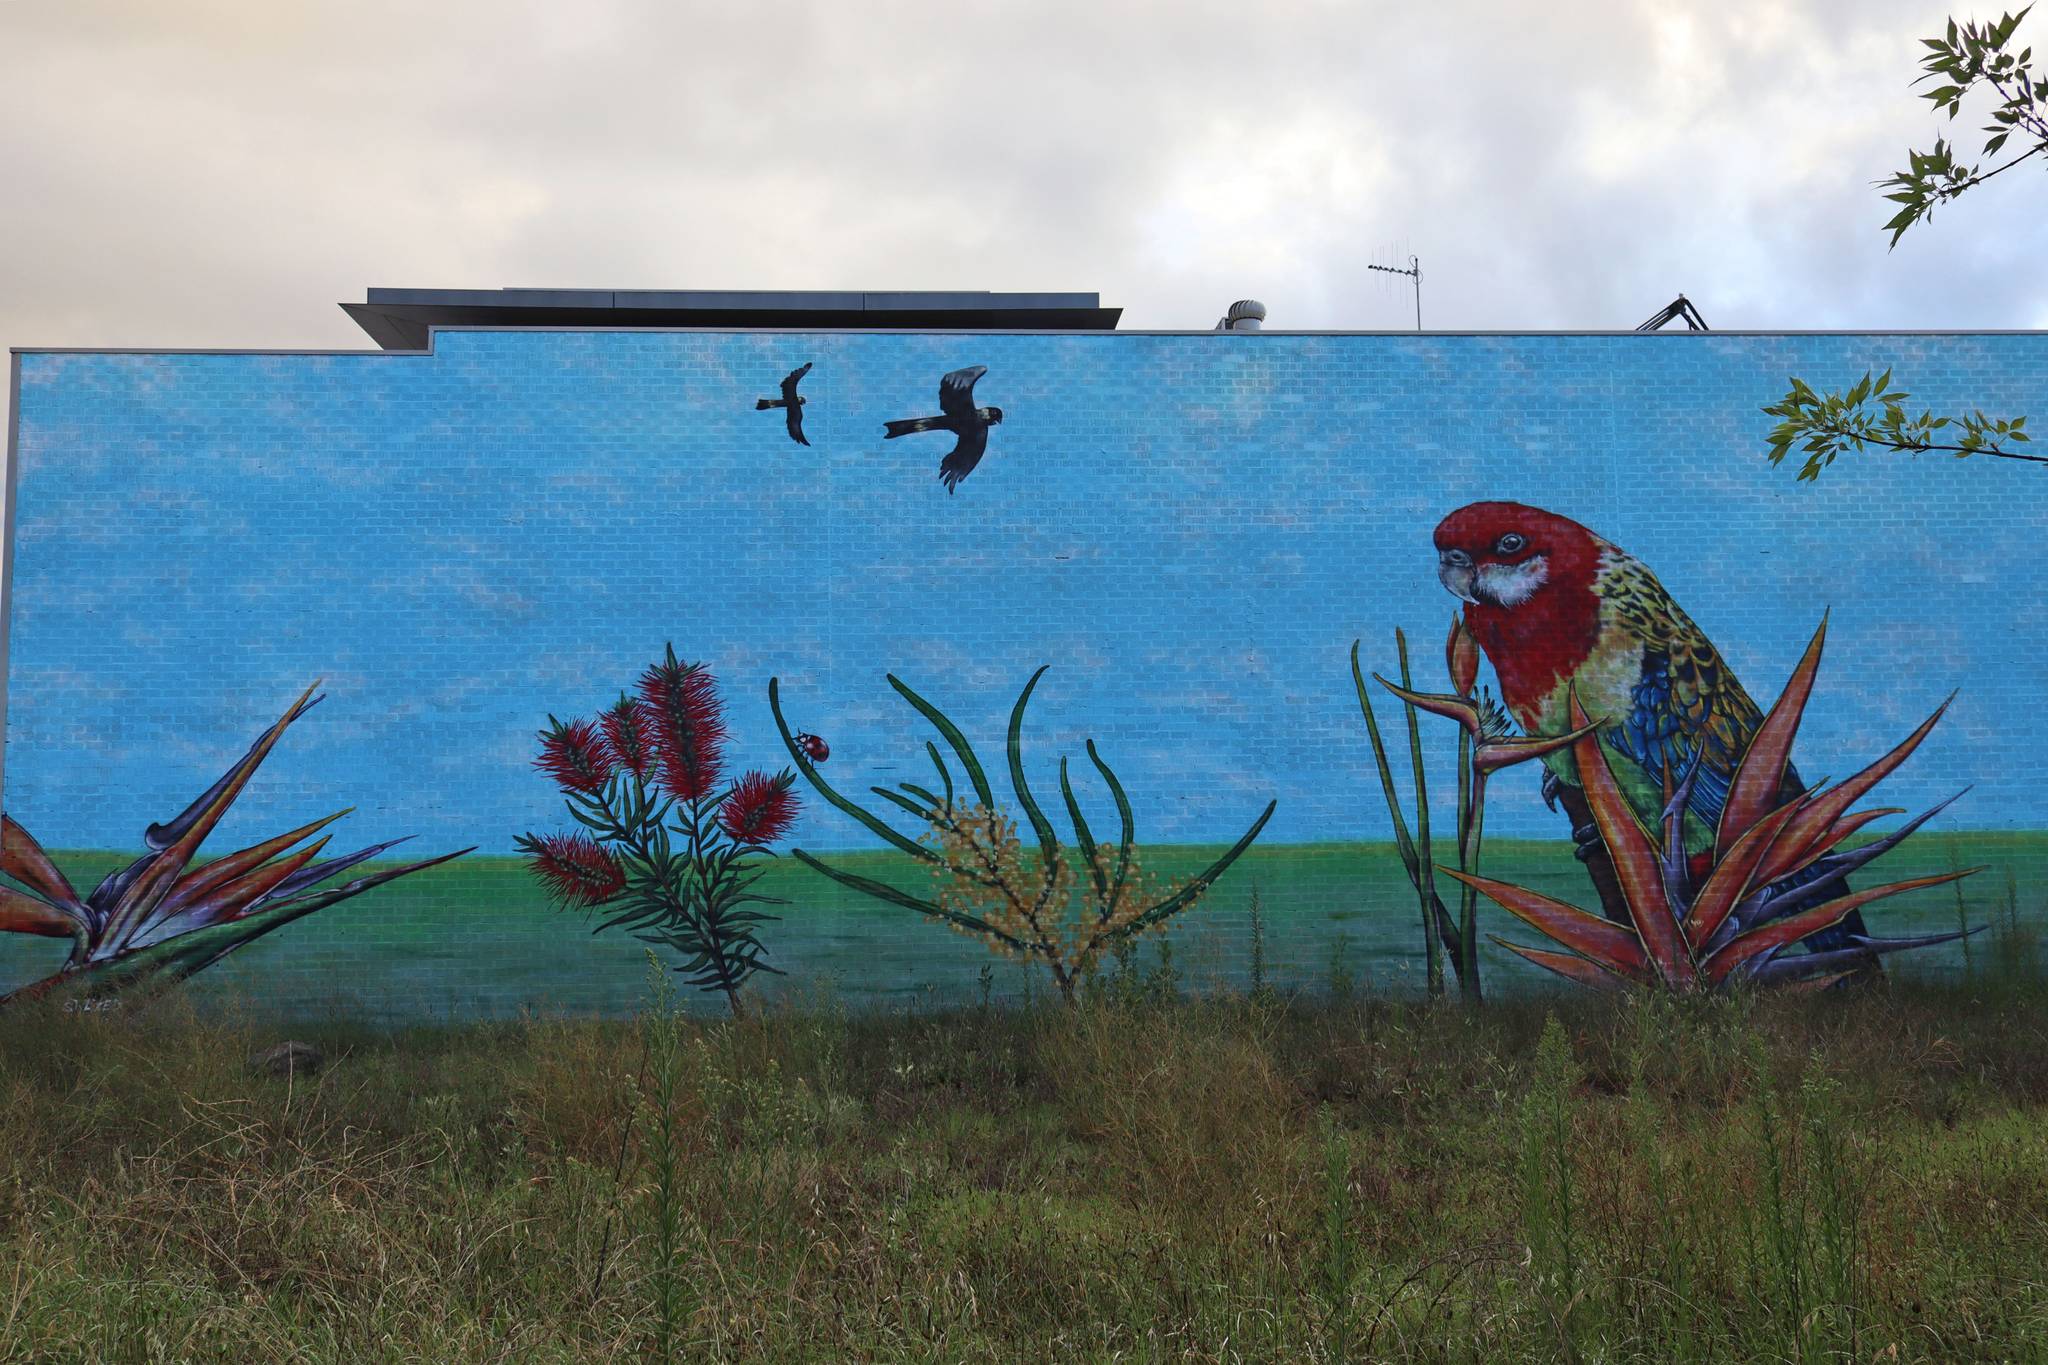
point(1190, 529)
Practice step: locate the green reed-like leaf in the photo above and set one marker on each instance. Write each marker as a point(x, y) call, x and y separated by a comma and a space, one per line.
point(1182, 898)
point(832, 794)
point(905, 802)
point(882, 891)
point(951, 732)
point(1426, 885)
point(945, 777)
point(1048, 842)
point(1402, 841)
point(1084, 838)
point(1127, 837)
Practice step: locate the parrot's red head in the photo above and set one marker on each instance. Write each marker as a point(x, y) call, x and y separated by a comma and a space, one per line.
point(1502, 554)
point(1527, 578)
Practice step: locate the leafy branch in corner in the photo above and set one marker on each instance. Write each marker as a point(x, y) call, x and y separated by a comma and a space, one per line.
point(1873, 413)
point(1969, 56)
point(1966, 57)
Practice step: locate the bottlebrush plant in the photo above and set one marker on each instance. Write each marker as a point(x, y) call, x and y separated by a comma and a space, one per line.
point(1771, 879)
point(160, 920)
point(985, 884)
point(1486, 744)
point(666, 844)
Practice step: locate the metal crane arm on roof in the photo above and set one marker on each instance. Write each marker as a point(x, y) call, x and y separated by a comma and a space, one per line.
point(1680, 307)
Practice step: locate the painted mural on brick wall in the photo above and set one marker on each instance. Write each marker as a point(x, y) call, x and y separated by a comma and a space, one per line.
point(731, 678)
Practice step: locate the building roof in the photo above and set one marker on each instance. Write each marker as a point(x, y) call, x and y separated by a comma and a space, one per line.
point(400, 319)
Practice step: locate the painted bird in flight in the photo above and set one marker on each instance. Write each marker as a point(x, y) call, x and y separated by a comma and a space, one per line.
point(791, 403)
point(959, 416)
point(1556, 608)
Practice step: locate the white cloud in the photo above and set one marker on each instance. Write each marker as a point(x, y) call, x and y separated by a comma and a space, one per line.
point(223, 172)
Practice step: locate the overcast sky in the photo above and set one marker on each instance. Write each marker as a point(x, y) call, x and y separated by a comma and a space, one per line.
point(219, 173)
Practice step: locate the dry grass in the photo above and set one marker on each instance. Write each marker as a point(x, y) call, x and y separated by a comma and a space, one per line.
point(1854, 1177)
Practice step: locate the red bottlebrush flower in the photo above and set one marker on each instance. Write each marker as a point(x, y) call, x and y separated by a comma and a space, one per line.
point(574, 755)
point(629, 738)
point(687, 722)
point(1461, 657)
point(759, 809)
point(578, 871)
point(815, 749)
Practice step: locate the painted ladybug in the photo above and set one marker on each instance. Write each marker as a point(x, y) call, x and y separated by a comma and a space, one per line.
point(817, 750)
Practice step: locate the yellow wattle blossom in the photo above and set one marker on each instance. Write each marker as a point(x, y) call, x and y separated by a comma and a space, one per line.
point(1039, 909)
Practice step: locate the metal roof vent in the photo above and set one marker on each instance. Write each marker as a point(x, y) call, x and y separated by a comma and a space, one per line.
point(1243, 316)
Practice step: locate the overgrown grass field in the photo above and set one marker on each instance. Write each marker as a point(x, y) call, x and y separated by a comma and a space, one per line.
point(1843, 1177)
point(475, 938)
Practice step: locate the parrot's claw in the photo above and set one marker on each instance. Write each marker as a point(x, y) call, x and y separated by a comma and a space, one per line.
point(1551, 787)
point(1585, 842)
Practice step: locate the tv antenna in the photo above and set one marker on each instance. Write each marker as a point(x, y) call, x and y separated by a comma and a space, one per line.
point(1413, 272)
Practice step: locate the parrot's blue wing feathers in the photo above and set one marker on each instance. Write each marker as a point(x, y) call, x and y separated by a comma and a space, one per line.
point(1655, 735)
point(1685, 704)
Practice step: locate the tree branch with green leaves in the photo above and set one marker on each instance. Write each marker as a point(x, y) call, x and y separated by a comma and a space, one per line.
point(1873, 414)
point(1966, 58)
point(1969, 57)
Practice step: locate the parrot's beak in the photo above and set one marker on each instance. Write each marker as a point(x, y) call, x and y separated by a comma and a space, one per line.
point(1454, 571)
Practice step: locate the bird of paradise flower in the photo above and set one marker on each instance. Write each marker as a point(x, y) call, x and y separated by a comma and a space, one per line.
point(160, 920)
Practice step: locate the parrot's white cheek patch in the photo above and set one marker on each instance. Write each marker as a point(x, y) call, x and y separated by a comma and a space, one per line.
point(1513, 584)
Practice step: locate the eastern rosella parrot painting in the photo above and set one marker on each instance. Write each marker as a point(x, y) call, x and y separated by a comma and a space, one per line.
point(1556, 608)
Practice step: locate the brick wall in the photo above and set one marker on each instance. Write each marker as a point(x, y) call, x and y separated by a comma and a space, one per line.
point(1190, 529)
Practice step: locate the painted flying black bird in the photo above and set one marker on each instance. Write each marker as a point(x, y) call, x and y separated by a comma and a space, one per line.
point(791, 404)
point(959, 416)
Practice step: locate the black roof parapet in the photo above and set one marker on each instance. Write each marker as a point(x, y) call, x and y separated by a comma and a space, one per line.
point(402, 319)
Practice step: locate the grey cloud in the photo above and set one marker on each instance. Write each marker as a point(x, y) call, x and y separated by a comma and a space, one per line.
point(221, 173)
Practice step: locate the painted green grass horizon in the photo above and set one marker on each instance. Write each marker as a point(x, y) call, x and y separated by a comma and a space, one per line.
point(476, 938)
